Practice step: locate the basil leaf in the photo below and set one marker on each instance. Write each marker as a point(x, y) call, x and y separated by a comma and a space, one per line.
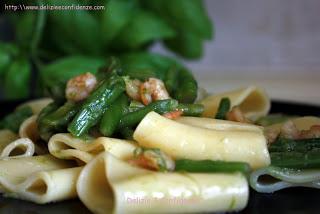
point(38, 29)
point(60, 71)
point(191, 22)
point(186, 44)
point(143, 65)
point(188, 15)
point(17, 78)
point(25, 27)
point(29, 28)
point(191, 16)
point(117, 15)
point(145, 27)
point(7, 52)
point(57, 45)
point(4, 60)
point(74, 31)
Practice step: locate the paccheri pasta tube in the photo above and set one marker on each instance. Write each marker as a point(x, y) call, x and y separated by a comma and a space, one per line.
point(22, 147)
point(108, 183)
point(271, 179)
point(65, 146)
point(185, 141)
point(13, 146)
point(209, 123)
point(29, 129)
point(15, 171)
point(252, 101)
point(46, 186)
point(26, 145)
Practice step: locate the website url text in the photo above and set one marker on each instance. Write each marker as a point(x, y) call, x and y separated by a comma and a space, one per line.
point(23, 7)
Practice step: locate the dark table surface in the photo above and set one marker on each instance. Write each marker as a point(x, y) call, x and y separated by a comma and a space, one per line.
point(288, 201)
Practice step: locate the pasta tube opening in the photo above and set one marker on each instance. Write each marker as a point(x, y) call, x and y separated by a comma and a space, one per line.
point(38, 187)
point(252, 101)
point(47, 186)
point(22, 147)
point(65, 146)
point(271, 179)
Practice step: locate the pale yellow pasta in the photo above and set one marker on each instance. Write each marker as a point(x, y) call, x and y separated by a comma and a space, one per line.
point(105, 182)
point(22, 147)
point(185, 141)
point(108, 184)
point(29, 129)
point(6, 137)
point(65, 146)
point(252, 101)
point(46, 186)
point(37, 105)
point(15, 171)
point(302, 123)
point(210, 123)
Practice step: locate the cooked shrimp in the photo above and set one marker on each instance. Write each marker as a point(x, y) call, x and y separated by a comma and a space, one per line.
point(237, 115)
point(79, 87)
point(144, 162)
point(313, 132)
point(289, 130)
point(152, 159)
point(132, 88)
point(153, 89)
point(272, 135)
point(173, 114)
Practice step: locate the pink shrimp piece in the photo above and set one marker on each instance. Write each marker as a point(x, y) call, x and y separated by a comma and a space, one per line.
point(272, 135)
point(237, 115)
point(173, 114)
point(133, 88)
point(79, 87)
point(152, 159)
point(289, 130)
point(153, 89)
point(145, 163)
point(313, 132)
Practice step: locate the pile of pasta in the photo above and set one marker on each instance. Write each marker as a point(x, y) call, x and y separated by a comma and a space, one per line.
point(273, 178)
point(98, 173)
